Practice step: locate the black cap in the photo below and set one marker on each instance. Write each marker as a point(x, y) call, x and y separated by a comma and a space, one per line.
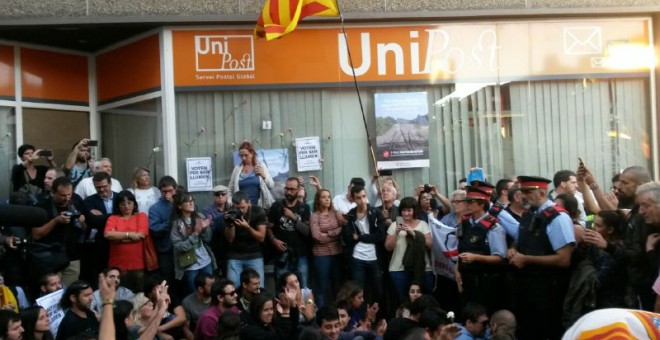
point(357, 181)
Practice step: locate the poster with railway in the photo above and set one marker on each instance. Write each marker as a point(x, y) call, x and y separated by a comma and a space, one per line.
point(402, 130)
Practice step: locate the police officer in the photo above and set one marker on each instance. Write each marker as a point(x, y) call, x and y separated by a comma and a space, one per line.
point(542, 256)
point(482, 252)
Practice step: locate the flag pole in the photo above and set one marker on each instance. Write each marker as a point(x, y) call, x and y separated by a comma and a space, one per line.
point(357, 90)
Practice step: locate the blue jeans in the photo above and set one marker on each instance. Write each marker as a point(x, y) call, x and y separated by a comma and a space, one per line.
point(402, 279)
point(235, 267)
point(328, 276)
point(367, 274)
point(301, 269)
point(189, 278)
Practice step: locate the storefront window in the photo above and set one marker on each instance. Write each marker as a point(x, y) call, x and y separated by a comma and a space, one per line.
point(516, 98)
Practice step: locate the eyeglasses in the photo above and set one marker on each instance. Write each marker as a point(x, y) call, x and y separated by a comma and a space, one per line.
point(217, 194)
point(470, 201)
point(483, 322)
point(232, 293)
point(457, 201)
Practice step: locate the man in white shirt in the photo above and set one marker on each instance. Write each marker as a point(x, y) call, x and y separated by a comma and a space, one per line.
point(86, 187)
point(344, 202)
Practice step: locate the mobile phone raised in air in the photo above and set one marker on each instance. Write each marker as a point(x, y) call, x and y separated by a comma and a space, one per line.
point(92, 143)
point(45, 153)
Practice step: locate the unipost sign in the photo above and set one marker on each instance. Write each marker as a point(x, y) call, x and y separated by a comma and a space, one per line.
point(431, 53)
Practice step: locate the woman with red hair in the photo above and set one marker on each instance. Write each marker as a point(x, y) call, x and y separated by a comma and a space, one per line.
point(251, 177)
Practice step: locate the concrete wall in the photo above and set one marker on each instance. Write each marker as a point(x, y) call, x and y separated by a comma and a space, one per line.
point(63, 11)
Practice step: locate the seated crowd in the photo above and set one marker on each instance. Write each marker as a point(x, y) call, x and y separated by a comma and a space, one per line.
point(522, 259)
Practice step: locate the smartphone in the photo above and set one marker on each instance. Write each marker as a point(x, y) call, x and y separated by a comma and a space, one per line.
point(384, 172)
point(581, 162)
point(475, 175)
point(399, 220)
point(45, 153)
point(92, 143)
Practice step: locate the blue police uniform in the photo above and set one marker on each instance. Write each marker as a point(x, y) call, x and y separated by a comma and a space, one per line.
point(540, 290)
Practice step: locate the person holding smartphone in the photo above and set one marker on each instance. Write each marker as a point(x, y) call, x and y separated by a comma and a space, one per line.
point(409, 239)
point(26, 174)
point(79, 163)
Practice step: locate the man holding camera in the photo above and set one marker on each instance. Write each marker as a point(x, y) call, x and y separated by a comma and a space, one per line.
point(245, 229)
point(65, 225)
point(290, 233)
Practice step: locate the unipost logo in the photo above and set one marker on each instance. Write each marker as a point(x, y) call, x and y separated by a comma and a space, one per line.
point(224, 53)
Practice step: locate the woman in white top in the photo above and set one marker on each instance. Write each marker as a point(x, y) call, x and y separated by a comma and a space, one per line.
point(145, 193)
point(409, 229)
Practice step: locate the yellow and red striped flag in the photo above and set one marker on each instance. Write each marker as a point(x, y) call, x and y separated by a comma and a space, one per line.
point(280, 17)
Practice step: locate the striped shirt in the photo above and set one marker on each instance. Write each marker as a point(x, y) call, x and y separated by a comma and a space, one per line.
point(322, 227)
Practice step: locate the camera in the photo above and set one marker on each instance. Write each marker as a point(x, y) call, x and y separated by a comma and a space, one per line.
point(233, 214)
point(74, 215)
point(427, 188)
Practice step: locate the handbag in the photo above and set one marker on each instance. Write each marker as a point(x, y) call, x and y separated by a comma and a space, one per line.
point(186, 259)
point(47, 257)
point(150, 255)
point(30, 189)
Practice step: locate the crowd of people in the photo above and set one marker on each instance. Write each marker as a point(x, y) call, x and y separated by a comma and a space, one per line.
point(528, 256)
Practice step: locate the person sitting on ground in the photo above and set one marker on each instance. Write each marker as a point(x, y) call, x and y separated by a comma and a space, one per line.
point(503, 322)
point(10, 325)
point(475, 322)
point(199, 301)
point(269, 321)
point(113, 276)
point(36, 324)
point(79, 318)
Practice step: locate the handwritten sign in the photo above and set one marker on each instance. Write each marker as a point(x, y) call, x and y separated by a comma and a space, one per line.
point(51, 303)
point(308, 154)
point(199, 173)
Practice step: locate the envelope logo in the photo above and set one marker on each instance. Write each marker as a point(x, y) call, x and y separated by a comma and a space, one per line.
point(597, 62)
point(583, 40)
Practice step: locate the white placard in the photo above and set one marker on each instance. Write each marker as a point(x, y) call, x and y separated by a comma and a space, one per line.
point(199, 172)
point(308, 153)
point(51, 303)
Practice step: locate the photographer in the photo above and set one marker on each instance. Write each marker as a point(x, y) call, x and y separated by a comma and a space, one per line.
point(245, 229)
point(64, 227)
point(290, 234)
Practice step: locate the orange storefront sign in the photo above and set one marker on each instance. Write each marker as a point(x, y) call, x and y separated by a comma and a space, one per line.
point(7, 80)
point(469, 52)
point(129, 70)
point(54, 77)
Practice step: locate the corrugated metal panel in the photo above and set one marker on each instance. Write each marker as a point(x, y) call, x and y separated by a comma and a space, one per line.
point(570, 119)
point(549, 125)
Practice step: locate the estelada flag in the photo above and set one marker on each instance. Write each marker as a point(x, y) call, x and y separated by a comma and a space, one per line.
point(280, 17)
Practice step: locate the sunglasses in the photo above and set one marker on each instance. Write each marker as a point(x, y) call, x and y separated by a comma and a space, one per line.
point(232, 293)
point(216, 194)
